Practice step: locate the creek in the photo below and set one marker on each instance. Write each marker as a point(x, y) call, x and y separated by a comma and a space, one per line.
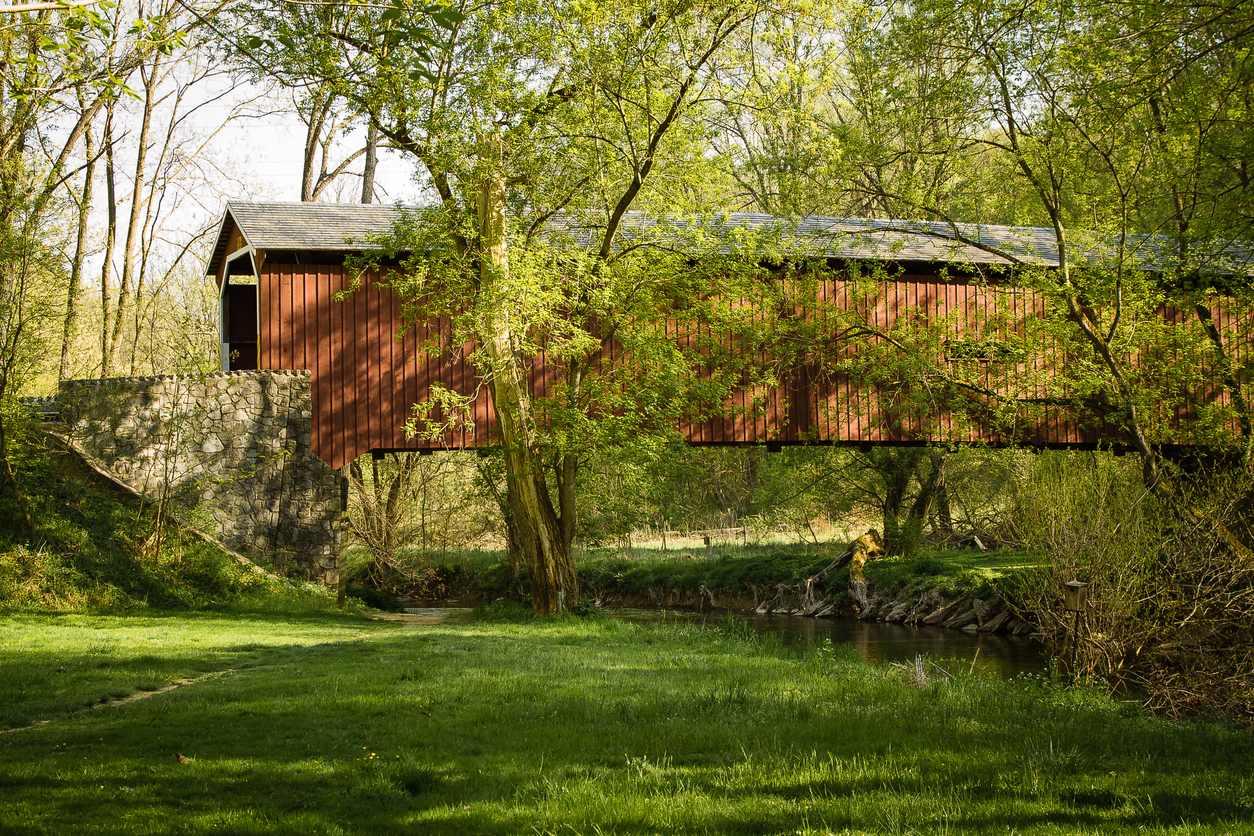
point(877, 642)
point(880, 643)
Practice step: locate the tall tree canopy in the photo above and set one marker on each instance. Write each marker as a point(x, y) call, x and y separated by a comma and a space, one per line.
point(1105, 123)
point(539, 127)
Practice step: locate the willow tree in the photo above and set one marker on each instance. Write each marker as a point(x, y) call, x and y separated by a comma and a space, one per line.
point(538, 128)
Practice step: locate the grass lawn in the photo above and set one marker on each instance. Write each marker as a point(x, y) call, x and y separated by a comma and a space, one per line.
point(54, 664)
point(951, 571)
point(336, 725)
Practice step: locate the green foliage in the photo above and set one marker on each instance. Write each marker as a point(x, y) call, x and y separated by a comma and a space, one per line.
point(587, 608)
point(525, 120)
point(89, 555)
point(503, 610)
point(406, 509)
point(377, 598)
point(950, 571)
point(1169, 578)
point(953, 572)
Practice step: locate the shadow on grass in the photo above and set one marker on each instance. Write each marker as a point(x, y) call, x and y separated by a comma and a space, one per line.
point(573, 727)
point(55, 664)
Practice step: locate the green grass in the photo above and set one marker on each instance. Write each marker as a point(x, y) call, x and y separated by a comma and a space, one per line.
point(332, 726)
point(57, 664)
point(730, 569)
point(951, 571)
point(735, 568)
point(88, 554)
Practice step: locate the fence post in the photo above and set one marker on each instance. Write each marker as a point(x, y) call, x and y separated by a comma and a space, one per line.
point(341, 549)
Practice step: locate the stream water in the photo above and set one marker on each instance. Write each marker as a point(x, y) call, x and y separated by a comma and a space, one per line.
point(876, 642)
point(881, 643)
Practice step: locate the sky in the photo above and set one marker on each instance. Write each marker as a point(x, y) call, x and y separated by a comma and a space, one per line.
point(265, 154)
point(270, 153)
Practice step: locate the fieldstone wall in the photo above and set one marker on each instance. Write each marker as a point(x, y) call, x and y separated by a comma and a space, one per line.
point(236, 444)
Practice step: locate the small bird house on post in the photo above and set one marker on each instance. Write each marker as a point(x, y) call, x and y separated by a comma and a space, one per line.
point(1075, 599)
point(1075, 596)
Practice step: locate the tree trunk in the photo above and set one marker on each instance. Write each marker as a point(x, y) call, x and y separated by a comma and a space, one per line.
point(944, 515)
point(371, 164)
point(74, 286)
point(545, 536)
point(133, 225)
point(897, 468)
point(310, 179)
point(111, 237)
point(922, 505)
point(903, 521)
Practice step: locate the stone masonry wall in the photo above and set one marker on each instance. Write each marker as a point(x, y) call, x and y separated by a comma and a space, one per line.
point(238, 444)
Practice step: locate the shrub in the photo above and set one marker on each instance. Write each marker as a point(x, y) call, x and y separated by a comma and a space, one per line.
point(1171, 588)
point(376, 598)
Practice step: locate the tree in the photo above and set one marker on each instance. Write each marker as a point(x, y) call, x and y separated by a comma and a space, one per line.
point(320, 109)
point(61, 67)
point(158, 165)
point(538, 127)
point(781, 130)
point(409, 500)
point(40, 64)
point(1102, 116)
point(1123, 129)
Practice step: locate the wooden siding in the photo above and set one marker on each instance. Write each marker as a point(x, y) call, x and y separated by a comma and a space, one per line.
point(365, 380)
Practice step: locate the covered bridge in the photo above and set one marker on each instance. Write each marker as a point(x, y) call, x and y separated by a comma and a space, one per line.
point(280, 271)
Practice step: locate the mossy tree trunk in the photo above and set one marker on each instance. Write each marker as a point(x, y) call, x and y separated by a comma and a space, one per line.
point(905, 515)
point(545, 532)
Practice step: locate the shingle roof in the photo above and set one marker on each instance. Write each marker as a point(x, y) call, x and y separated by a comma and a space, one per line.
point(310, 226)
point(857, 238)
point(345, 226)
point(871, 238)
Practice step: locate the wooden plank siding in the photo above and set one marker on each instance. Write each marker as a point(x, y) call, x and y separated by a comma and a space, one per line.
point(365, 380)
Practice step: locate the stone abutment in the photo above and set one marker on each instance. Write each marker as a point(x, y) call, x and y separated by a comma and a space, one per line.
point(237, 446)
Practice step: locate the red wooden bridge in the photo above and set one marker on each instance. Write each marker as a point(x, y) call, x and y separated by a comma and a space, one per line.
point(279, 268)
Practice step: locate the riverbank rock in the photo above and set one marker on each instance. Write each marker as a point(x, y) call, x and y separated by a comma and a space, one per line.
point(859, 601)
point(958, 622)
point(992, 625)
point(944, 612)
point(898, 613)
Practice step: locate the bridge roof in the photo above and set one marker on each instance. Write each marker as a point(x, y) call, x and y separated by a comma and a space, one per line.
point(345, 227)
point(866, 239)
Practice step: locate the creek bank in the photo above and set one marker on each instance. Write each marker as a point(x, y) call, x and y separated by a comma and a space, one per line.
point(972, 612)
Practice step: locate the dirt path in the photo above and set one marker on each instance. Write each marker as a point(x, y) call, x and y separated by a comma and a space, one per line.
point(403, 620)
point(421, 618)
point(129, 698)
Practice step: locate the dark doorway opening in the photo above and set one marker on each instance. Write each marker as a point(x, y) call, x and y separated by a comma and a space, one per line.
point(239, 326)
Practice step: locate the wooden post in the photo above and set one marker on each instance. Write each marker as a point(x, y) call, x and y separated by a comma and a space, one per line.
point(341, 549)
point(1074, 600)
point(709, 548)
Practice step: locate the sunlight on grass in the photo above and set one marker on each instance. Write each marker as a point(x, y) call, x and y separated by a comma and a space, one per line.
point(59, 663)
point(570, 726)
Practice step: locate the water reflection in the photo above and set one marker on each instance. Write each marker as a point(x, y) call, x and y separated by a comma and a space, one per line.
point(881, 643)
